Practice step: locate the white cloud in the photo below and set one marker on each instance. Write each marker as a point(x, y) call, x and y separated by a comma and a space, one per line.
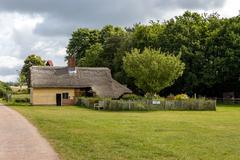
point(12, 25)
point(17, 40)
point(230, 9)
point(10, 62)
point(8, 78)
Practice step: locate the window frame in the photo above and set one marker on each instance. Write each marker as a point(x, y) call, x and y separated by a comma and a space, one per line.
point(65, 95)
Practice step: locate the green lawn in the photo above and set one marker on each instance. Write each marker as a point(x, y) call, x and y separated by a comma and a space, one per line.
point(79, 133)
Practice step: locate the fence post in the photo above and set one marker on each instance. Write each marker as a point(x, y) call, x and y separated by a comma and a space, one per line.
point(129, 106)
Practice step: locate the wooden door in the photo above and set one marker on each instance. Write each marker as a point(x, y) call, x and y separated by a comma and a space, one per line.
point(59, 99)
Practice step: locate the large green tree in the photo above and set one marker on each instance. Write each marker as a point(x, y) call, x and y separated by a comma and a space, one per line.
point(31, 60)
point(113, 38)
point(210, 50)
point(152, 69)
point(221, 71)
point(187, 34)
point(82, 39)
point(147, 35)
point(92, 56)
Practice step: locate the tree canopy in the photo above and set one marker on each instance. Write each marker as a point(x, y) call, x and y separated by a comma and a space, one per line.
point(31, 60)
point(209, 47)
point(152, 70)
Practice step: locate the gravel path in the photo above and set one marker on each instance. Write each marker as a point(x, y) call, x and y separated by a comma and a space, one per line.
point(20, 140)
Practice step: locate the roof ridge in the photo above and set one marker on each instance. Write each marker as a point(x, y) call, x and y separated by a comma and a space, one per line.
point(57, 67)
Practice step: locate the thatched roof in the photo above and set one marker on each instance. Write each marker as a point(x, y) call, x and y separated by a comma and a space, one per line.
point(99, 79)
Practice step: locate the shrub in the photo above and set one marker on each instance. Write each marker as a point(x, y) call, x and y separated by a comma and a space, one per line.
point(4, 90)
point(21, 91)
point(93, 100)
point(181, 97)
point(131, 97)
point(170, 97)
point(21, 100)
point(89, 101)
point(150, 96)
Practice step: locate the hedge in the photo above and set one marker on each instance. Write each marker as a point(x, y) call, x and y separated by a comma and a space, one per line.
point(21, 100)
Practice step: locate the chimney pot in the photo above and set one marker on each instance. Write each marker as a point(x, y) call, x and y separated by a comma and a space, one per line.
point(49, 63)
point(71, 62)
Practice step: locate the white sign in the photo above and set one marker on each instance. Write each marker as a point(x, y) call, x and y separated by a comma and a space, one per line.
point(156, 102)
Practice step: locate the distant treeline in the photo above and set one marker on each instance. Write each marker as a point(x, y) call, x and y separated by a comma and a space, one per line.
point(209, 46)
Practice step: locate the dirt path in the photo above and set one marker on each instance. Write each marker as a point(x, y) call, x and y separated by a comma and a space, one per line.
point(20, 140)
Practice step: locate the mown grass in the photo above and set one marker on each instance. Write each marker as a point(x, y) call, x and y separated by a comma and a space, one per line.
point(80, 134)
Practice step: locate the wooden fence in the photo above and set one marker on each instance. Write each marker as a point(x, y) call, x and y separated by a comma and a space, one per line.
point(144, 105)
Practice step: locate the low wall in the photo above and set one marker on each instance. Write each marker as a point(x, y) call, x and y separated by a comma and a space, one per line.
point(145, 105)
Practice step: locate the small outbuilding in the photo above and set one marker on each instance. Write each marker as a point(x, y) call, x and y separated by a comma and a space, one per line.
point(51, 85)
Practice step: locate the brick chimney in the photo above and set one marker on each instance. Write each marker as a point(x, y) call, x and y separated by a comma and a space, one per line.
point(71, 66)
point(71, 62)
point(49, 63)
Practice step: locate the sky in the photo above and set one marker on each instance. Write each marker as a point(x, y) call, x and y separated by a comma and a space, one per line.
point(43, 27)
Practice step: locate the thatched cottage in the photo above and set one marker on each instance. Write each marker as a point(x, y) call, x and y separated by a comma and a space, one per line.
point(52, 85)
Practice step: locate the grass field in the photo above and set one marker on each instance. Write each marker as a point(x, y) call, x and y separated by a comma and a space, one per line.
point(79, 133)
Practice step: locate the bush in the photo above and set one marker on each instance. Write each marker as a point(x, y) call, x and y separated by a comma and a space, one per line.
point(4, 90)
point(181, 97)
point(131, 97)
point(153, 97)
point(22, 91)
point(21, 100)
point(93, 100)
point(170, 97)
point(89, 101)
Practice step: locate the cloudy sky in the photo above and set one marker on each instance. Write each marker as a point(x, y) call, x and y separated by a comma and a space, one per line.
point(43, 27)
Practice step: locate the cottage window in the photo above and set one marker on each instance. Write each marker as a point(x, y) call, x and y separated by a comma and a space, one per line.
point(65, 95)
